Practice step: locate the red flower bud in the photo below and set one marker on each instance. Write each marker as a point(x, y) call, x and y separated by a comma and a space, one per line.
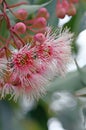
point(65, 4)
point(72, 10)
point(60, 10)
point(21, 14)
point(20, 27)
point(40, 22)
point(39, 37)
point(42, 12)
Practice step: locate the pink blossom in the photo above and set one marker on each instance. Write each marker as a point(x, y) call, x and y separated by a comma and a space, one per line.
point(34, 67)
point(59, 48)
point(23, 61)
point(10, 85)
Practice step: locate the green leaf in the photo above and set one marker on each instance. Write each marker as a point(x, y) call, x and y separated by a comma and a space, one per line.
point(53, 20)
point(3, 29)
point(40, 1)
point(81, 92)
point(72, 82)
point(10, 2)
point(83, 23)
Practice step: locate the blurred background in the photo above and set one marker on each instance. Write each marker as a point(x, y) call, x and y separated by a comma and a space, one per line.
point(64, 105)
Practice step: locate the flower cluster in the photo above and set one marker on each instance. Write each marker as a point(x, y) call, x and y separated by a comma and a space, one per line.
point(32, 55)
point(65, 7)
point(31, 68)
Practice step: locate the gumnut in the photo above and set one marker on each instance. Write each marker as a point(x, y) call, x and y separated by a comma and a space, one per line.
point(72, 10)
point(65, 4)
point(21, 14)
point(20, 27)
point(40, 22)
point(39, 37)
point(42, 12)
point(60, 10)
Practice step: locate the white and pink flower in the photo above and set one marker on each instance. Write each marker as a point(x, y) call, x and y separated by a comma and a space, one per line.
point(34, 67)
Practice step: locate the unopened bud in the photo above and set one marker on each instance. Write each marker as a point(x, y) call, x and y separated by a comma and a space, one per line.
point(20, 28)
point(39, 37)
point(65, 4)
point(21, 14)
point(40, 22)
point(72, 10)
point(42, 12)
point(60, 10)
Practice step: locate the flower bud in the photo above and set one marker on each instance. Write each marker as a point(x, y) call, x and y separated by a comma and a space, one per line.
point(39, 37)
point(40, 22)
point(72, 10)
point(60, 10)
point(42, 12)
point(65, 4)
point(21, 14)
point(20, 27)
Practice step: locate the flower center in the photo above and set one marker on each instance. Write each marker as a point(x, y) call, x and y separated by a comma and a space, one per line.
point(22, 60)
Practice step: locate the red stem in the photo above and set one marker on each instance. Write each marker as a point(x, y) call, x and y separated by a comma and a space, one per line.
point(12, 36)
point(12, 31)
point(15, 5)
point(7, 6)
point(6, 17)
point(2, 39)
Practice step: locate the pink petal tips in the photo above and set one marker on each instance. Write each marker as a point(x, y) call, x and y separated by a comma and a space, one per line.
point(34, 66)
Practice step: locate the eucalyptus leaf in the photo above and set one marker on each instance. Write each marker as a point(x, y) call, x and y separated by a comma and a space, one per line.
point(53, 21)
point(83, 23)
point(15, 1)
point(72, 82)
point(81, 92)
point(3, 29)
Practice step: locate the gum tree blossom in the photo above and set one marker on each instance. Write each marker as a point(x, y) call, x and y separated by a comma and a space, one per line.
point(34, 67)
point(32, 54)
point(31, 68)
point(28, 68)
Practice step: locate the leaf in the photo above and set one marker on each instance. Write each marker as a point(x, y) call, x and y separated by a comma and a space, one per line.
point(81, 92)
point(83, 23)
point(72, 82)
point(53, 21)
point(3, 29)
point(10, 2)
